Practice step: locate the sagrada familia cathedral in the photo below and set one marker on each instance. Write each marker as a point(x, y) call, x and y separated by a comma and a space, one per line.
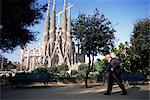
point(58, 47)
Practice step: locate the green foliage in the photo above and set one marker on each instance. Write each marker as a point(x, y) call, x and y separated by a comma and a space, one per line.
point(136, 57)
point(40, 70)
point(124, 61)
point(140, 41)
point(82, 70)
point(74, 73)
point(63, 67)
point(82, 67)
point(140, 38)
point(129, 60)
point(52, 70)
point(93, 75)
point(60, 70)
point(16, 18)
point(64, 74)
point(94, 34)
point(100, 65)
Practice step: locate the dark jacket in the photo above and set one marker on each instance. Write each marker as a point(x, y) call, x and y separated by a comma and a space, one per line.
point(114, 63)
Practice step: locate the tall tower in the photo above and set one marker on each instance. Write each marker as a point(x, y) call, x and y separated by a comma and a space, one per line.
point(45, 53)
point(69, 20)
point(46, 30)
point(52, 36)
point(64, 27)
point(68, 46)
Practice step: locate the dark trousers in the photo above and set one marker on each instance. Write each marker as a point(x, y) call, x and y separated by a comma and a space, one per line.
point(114, 76)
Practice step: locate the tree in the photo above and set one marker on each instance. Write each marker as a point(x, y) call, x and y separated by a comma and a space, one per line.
point(17, 16)
point(94, 34)
point(140, 41)
point(125, 63)
point(127, 58)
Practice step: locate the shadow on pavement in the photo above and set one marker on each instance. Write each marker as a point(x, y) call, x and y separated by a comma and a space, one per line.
point(129, 90)
point(27, 87)
point(35, 87)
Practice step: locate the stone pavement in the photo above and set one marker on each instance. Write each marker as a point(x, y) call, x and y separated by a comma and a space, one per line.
point(73, 92)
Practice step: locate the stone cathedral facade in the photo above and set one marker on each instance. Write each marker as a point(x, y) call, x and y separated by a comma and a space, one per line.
point(58, 47)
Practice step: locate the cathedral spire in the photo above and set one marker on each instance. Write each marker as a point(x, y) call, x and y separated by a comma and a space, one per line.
point(68, 47)
point(64, 27)
point(54, 5)
point(64, 17)
point(52, 28)
point(69, 28)
point(47, 26)
point(47, 21)
point(69, 20)
point(53, 20)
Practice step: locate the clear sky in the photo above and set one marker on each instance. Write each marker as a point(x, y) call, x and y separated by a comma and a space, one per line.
point(122, 13)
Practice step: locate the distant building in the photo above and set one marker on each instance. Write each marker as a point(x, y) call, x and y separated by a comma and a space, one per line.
point(10, 66)
point(18, 66)
point(58, 47)
point(3, 62)
point(31, 58)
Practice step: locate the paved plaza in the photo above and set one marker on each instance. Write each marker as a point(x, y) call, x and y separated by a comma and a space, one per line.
point(73, 92)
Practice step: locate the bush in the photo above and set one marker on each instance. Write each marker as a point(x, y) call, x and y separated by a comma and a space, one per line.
point(93, 75)
point(64, 74)
point(100, 66)
point(40, 70)
point(52, 70)
point(63, 67)
point(82, 70)
point(82, 67)
point(74, 73)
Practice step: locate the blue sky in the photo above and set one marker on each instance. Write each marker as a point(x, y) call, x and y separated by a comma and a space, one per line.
point(122, 13)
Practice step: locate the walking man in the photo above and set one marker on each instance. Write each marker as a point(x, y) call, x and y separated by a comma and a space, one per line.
point(112, 67)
